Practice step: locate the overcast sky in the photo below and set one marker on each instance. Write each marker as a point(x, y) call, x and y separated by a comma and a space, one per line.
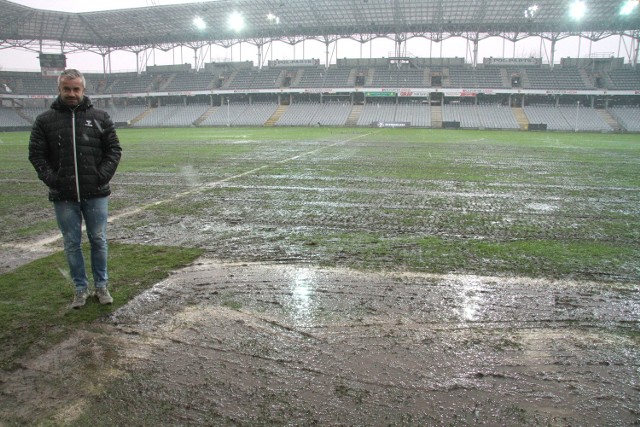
point(21, 60)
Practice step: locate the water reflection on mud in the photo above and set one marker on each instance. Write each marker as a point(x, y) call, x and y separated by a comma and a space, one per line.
point(471, 296)
point(304, 345)
point(302, 283)
point(258, 344)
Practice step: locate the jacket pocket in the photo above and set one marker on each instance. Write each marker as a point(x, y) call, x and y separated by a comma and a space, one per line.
point(53, 181)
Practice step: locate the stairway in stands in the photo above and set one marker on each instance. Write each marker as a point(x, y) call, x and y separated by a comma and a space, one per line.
point(436, 116)
point(352, 120)
point(521, 117)
point(276, 116)
point(23, 115)
point(609, 119)
point(140, 116)
point(203, 117)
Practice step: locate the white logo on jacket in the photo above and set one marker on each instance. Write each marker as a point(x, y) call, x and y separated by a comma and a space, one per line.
point(88, 123)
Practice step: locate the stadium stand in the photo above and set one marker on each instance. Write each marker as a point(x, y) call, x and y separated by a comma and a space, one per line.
point(416, 114)
point(239, 114)
point(587, 119)
point(315, 114)
point(9, 118)
point(339, 77)
point(480, 116)
point(567, 118)
point(254, 79)
point(123, 83)
point(549, 116)
point(394, 77)
point(125, 114)
point(377, 112)
point(255, 114)
point(624, 79)
point(172, 116)
point(334, 114)
point(461, 77)
point(488, 93)
point(30, 83)
point(184, 82)
point(556, 79)
point(628, 117)
point(163, 97)
point(308, 78)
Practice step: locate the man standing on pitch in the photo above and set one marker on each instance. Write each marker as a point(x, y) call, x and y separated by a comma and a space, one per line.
point(75, 151)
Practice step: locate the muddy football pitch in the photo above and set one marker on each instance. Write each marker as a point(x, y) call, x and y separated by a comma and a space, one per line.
point(352, 277)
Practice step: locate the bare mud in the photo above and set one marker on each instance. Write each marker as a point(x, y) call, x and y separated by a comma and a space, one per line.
point(265, 344)
point(17, 254)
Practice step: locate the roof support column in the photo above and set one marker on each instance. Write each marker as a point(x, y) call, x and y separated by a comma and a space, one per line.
point(475, 52)
point(635, 39)
point(326, 54)
point(195, 57)
point(260, 55)
point(259, 44)
point(553, 38)
point(400, 42)
point(327, 41)
point(104, 64)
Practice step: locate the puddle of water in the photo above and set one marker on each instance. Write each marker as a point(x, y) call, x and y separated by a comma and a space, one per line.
point(302, 291)
point(542, 207)
point(471, 294)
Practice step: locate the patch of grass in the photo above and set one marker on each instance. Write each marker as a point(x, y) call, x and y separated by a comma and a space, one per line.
point(357, 395)
point(232, 304)
point(35, 298)
point(516, 413)
point(533, 258)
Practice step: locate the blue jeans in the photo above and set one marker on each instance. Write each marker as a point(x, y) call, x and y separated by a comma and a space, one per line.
point(69, 216)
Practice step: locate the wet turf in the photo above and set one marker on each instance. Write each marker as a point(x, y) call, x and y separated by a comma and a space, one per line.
point(508, 292)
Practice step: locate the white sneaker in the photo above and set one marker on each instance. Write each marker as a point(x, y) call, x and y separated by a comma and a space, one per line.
point(103, 296)
point(80, 299)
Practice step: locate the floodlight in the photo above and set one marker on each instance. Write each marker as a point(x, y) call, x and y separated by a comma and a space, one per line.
point(273, 18)
point(578, 9)
point(531, 11)
point(199, 23)
point(236, 21)
point(628, 7)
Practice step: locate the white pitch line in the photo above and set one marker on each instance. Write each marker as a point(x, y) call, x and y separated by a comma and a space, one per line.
point(52, 238)
point(214, 184)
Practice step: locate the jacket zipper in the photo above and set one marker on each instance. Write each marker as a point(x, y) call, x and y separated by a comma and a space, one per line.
point(75, 155)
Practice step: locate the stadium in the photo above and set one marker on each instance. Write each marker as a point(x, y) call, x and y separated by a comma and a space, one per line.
point(595, 94)
point(400, 240)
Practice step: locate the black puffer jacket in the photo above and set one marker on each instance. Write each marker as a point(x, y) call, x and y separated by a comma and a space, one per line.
point(57, 152)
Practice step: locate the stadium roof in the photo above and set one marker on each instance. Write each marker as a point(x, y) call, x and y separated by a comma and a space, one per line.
point(294, 20)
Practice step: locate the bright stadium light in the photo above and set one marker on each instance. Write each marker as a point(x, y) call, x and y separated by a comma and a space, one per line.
point(273, 18)
point(578, 9)
point(531, 11)
point(628, 7)
point(236, 21)
point(199, 23)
